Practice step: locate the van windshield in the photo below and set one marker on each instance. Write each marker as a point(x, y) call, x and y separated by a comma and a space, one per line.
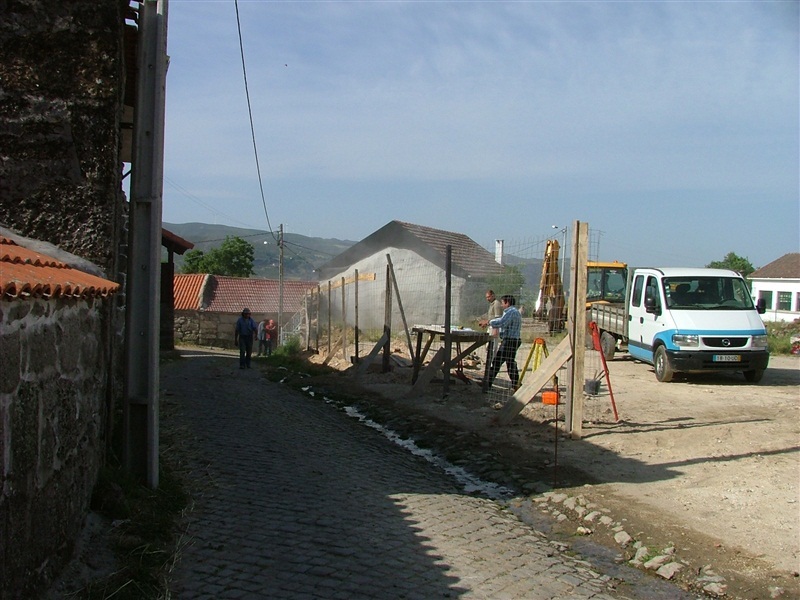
point(707, 293)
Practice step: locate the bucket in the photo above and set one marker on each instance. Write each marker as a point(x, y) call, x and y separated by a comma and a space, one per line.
point(549, 397)
point(592, 387)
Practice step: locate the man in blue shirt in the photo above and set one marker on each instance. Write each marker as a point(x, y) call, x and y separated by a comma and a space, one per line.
point(510, 325)
point(243, 334)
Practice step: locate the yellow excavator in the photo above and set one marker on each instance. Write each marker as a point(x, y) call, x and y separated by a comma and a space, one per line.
point(605, 283)
point(550, 305)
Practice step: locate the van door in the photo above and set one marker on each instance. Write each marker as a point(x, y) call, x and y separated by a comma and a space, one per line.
point(643, 326)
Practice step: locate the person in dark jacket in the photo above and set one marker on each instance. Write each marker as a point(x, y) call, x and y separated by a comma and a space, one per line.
point(243, 336)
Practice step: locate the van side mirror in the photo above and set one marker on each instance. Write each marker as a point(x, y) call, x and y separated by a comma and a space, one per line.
point(651, 306)
point(761, 306)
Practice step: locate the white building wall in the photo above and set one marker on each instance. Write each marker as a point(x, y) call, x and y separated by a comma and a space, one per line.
point(764, 288)
point(420, 282)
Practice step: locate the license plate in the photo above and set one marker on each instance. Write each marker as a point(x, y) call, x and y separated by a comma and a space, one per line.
point(727, 358)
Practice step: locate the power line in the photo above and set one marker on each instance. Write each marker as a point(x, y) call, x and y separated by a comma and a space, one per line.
point(200, 202)
point(250, 114)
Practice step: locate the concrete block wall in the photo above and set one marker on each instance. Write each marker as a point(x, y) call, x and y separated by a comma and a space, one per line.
point(52, 415)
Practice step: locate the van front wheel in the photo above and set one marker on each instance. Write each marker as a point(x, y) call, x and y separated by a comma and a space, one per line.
point(664, 371)
point(753, 376)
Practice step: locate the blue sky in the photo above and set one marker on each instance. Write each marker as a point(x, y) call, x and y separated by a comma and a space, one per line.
point(670, 127)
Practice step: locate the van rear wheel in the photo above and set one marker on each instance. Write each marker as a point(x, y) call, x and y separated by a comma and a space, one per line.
point(664, 370)
point(608, 344)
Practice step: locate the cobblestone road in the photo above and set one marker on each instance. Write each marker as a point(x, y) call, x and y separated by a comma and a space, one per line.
point(298, 501)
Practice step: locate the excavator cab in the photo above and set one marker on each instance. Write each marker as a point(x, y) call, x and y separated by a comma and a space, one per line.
point(606, 283)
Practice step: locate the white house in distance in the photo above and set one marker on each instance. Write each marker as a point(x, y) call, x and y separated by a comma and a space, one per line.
point(778, 283)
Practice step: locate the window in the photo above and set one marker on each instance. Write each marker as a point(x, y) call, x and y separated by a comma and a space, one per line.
point(651, 292)
point(797, 302)
point(637, 290)
point(784, 300)
point(766, 296)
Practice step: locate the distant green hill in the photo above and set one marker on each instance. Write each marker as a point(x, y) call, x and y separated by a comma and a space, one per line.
point(301, 255)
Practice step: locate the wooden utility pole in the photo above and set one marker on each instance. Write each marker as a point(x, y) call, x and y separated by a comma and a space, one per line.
point(280, 285)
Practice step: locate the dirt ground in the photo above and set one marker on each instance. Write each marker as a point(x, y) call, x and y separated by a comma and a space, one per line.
point(706, 466)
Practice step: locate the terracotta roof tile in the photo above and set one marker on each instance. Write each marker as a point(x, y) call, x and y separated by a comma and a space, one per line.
point(231, 294)
point(217, 293)
point(28, 274)
point(187, 291)
point(786, 267)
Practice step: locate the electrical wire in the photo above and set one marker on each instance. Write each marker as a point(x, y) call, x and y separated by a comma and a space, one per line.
point(250, 114)
point(205, 205)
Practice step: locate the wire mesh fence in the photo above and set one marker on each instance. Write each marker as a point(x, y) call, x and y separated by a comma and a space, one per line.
point(386, 301)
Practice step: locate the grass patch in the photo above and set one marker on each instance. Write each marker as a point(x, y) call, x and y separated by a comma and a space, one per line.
point(779, 336)
point(144, 533)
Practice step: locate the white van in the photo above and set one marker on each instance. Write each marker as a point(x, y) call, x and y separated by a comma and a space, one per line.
point(688, 320)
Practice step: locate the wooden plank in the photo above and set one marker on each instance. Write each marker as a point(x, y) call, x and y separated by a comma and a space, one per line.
point(364, 365)
point(333, 349)
point(400, 304)
point(425, 377)
point(542, 375)
point(349, 280)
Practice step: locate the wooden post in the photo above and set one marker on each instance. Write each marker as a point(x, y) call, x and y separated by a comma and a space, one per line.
point(448, 338)
point(330, 332)
point(344, 322)
point(577, 329)
point(316, 328)
point(400, 306)
point(387, 322)
point(355, 311)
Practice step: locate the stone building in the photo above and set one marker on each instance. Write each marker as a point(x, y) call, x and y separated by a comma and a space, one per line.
point(418, 256)
point(66, 78)
point(53, 388)
point(207, 306)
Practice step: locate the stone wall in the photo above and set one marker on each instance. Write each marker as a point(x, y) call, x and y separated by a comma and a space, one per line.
point(62, 76)
point(52, 439)
point(62, 85)
point(201, 328)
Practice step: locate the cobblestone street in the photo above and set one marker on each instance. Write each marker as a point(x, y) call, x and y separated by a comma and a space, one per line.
point(294, 499)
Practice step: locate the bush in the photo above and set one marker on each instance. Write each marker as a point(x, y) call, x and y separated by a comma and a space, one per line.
point(779, 336)
point(289, 349)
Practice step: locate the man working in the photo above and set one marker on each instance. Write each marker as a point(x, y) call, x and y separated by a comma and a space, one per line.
point(495, 310)
point(510, 325)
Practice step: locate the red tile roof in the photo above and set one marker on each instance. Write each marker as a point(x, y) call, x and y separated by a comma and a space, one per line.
point(217, 293)
point(187, 290)
point(786, 267)
point(231, 294)
point(27, 274)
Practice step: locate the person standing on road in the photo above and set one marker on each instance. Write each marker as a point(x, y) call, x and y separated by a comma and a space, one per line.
point(243, 336)
point(272, 336)
point(510, 325)
point(263, 339)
